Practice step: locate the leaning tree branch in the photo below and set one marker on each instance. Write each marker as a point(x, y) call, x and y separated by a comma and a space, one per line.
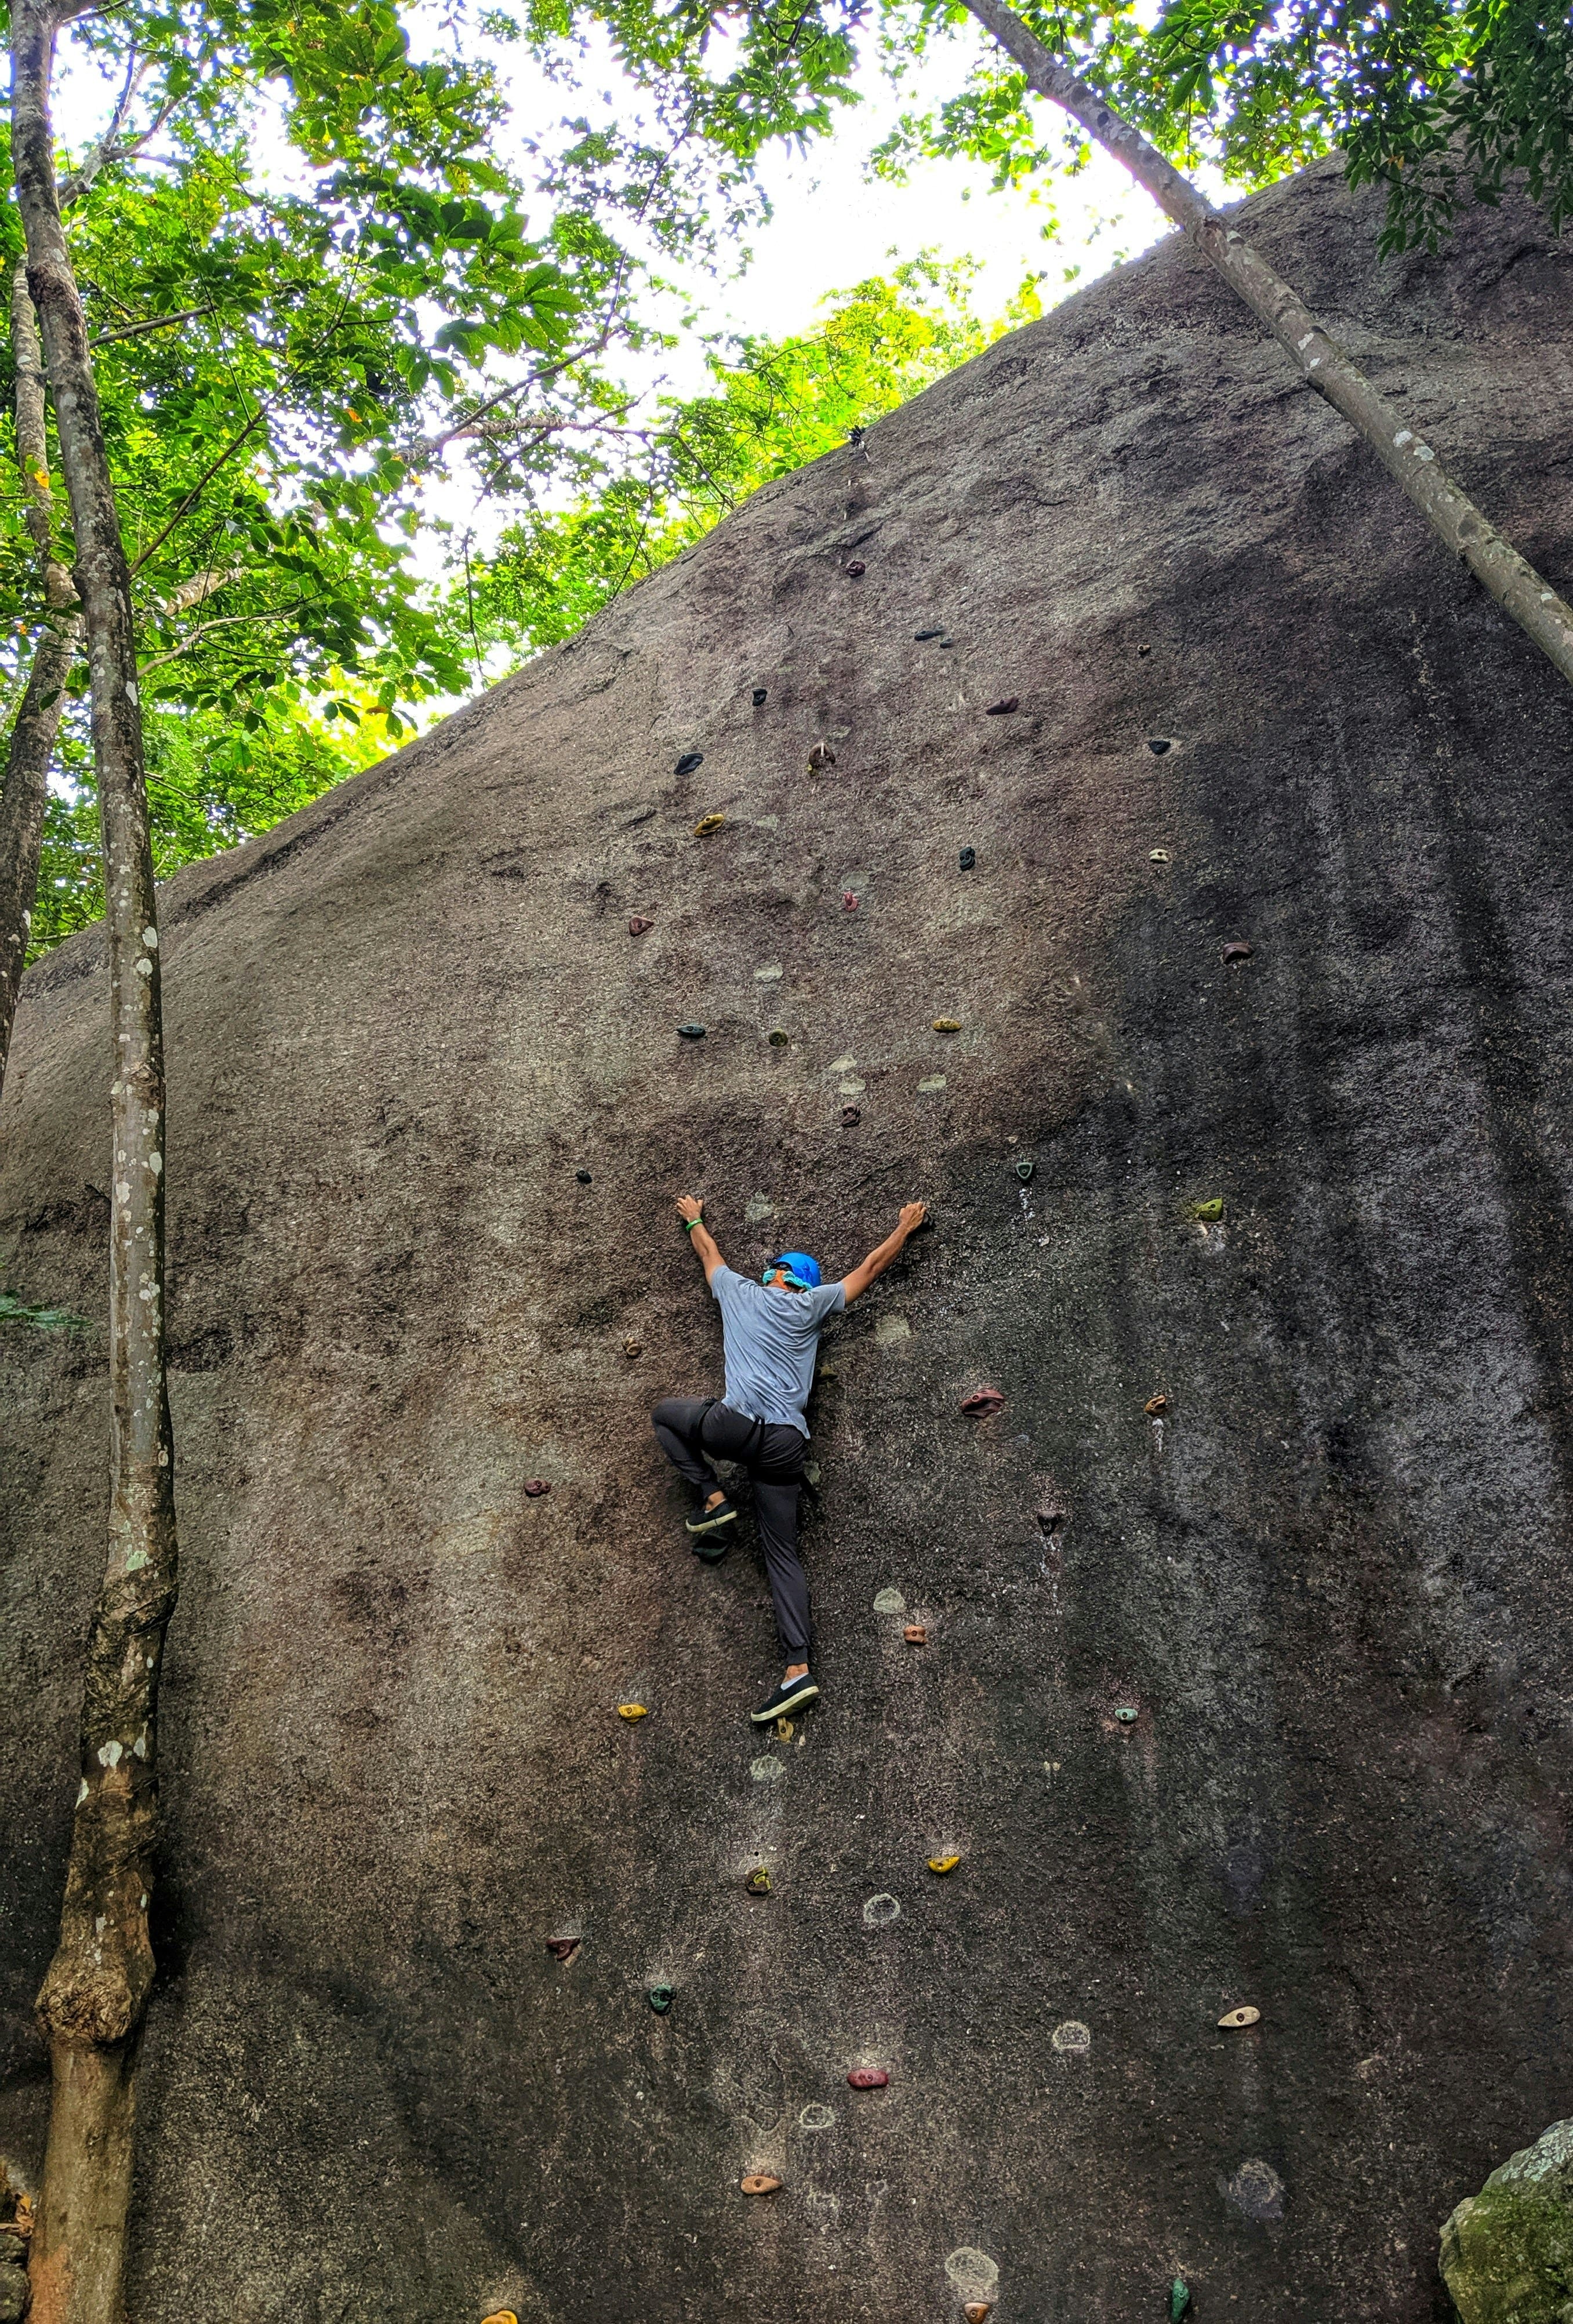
point(95, 1992)
point(1515, 583)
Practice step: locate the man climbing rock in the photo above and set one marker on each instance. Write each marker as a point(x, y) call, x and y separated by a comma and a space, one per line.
point(771, 1335)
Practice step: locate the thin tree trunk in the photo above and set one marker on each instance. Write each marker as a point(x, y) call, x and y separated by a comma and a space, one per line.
point(31, 747)
point(1515, 584)
point(23, 800)
point(94, 1996)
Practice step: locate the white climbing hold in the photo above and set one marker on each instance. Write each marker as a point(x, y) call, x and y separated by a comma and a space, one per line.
point(972, 2271)
point(110, 1755)
point(890, 1601)
point(766, 1771)
point(881, 1911)
point(82, 1791)
point(934, 1081)
point(1404, 435)
point(1072, 2040)
point(816, 2117)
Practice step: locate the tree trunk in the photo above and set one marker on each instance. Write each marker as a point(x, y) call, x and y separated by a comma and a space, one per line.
point(32, 737)
point(93, 1997)
point(1515, 584)
point(23, 801)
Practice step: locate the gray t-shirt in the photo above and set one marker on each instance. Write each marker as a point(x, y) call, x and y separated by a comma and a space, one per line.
point(771, 1340)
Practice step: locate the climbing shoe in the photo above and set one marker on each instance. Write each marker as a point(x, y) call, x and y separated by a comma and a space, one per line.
point(704, 1520)
point(787, 1696)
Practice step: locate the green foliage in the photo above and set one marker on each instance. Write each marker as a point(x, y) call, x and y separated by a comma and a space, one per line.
point(776, 405)
point(13, 1310)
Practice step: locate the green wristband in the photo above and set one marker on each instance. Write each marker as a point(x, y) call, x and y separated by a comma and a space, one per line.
point(689, 1225)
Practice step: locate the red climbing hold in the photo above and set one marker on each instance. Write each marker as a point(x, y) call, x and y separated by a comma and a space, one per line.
point(867, 2077)
point(849, 901)
point(1237, 949)
point(1003, 709)
point(983, 1401)
point(564, 1947)
point(534, 1487)
point(639, 926)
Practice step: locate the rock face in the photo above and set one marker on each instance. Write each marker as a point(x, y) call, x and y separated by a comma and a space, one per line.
point(1507, 2253)
point(1252, 1696)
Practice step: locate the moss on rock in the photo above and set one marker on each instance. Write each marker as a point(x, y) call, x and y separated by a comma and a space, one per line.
point(1507, 2253)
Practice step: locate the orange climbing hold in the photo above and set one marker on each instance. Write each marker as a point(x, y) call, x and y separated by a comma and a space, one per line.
point(915, 1635)
point(976, 2310)
point(1156, 1404)
point(760, 2182)
point(502, 2316)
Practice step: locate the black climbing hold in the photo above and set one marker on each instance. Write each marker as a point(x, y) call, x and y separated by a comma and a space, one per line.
point(778, 1040)
point(660, 1998)
point(944, 642)
point(850, 1117)
point(564, 1947)
point(692, 1032)
point(1024, 1170)
point(583, 1177)
point(1237, 949)
point(1158, 744)
point(967, 858)
point(1002, 709)
point(760, 694)
point(856, 568)
point(922, 636)
point(688, 762)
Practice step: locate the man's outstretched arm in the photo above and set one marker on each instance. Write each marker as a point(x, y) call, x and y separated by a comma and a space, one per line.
point(862, 1275)
point(704, 1242)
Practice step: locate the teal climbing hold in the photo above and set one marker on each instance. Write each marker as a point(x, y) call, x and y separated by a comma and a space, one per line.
point(659, 1999)
point(1178, 2298)
point(1024, 1170)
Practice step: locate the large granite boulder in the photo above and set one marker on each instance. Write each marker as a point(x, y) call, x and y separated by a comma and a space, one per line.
point(1507, 2253)
point(1257, 1698)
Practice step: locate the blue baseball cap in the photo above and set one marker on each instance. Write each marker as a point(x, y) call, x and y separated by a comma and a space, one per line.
point(799, 1267)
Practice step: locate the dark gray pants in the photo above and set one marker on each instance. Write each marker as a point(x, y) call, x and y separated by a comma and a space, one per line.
point(687, 1429)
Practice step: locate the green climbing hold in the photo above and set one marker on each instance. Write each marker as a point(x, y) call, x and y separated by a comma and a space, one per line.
point(1209, 1210)
point(1126, 1714)
point(1178, 2298)
point(1024, 1170)
point(659, 1999)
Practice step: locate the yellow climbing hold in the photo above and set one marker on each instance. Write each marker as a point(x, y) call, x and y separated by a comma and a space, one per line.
point(503, 2316)
point(632, 1710)
point(1245, 2016)
point(943, 1863)
point(707, 824)
point(947, 1023)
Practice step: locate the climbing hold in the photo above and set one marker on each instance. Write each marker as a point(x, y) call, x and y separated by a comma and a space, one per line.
point(944, 642)
point(922, 636)
point(889, 1601)
point(1156, 1404)
point(1141, 651)
point(1179, 2290)
point(1213, 1208)
point(760, 693)
point(943, 1863)
point(1234, 2018)
point(849, 901)
point(850, 1117)
point(982, 1401)
point(1003, 709)
point(760, 2182)
point(785, 1729)
point(639, 926)
point(856, 568)
point(1024, 1170)
point(1071, 2040)
point(967, 858)
point(1052, 1515)
point(758, 1882)
point(632, 1710)
point(1159, 856)
point(976, 2310)
point(583, 1177)
point(502, 2316)
point(867, 2077)
point(816, 2117)
point(688, 762)
point(1237, 949)
point(692, 1032)
point(915, 1635)
point(778, 1040)
point(660, 1998)
point(707, 824)
point(1158, 744)
point(1126, 1714)
point(534, 1487)
point(632, 1348)
point(947, 1023)
point(880, 1911)
point(821, 755)
point(564, 1947)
